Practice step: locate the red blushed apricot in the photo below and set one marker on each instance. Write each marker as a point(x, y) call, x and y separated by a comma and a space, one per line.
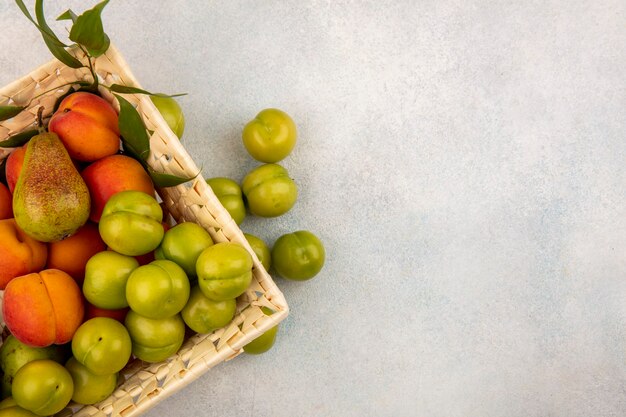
point(24, 295)
point(145, 259)
point(6, 202)
point(142, 259)
point(14, 166)
point(72, 253)
point(20, 254)
point(67, 303)
point(92, 311)
point(45, 308)
point(111, 175)
point(87, 125)
point(93, 107)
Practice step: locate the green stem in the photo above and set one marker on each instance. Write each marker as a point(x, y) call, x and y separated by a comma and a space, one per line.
point(94, 85)
point(93, 74)
point(52, 89)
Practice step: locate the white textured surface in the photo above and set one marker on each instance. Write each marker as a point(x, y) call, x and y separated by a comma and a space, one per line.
point(464, 163)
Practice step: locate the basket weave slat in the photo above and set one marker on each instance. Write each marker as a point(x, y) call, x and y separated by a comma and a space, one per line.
point(143, 384)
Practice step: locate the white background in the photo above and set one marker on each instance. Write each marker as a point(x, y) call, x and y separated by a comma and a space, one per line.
point(463, 162)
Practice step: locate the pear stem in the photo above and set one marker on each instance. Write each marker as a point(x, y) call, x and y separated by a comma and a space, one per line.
point(40, 125)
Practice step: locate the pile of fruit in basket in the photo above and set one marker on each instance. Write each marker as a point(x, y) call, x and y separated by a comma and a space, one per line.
point(92, 275)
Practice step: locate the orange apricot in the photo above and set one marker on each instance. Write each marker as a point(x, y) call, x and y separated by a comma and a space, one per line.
point(72, 253)
point(19, 253)
point(45, 308)
point(87, 125)
point(113, 174)
point(15, 160)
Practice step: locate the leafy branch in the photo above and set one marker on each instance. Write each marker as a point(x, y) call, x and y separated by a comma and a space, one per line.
point(87, 33)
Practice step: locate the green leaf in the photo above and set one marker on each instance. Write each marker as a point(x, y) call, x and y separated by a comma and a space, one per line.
point(62, 55)
point(124, 89)
point(19, 139)
point(68, 15)
point(24, 10)
point(128, 149)
point(89, 32)
point(56, 47)
point(52, 42)
point(46, 32)
point(162, 180)
point(6, 112)
point(132, 129)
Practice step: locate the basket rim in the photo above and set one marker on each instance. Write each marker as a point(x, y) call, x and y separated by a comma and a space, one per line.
point(254, 326)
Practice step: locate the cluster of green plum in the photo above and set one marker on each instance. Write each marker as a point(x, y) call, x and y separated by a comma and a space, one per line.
point(269, 191)
point(191, 283)
point(266, 191)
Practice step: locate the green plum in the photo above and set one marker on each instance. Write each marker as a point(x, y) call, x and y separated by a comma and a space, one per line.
point(269, 190)
point(9, 408)
point(298, 256)
point(131, 223)
point(224, 271)
point(15, 354)
point(102, 344)
point(106, 274)
point(229, 194)
point(264, 342)
point(43, 386)
point(158, 252)
point(183, 244)
point(157, 290)
point(270, 136)
point(171, 112)
point(155, 340)
point(261, 250)
point(89, 388)
point(203, 315)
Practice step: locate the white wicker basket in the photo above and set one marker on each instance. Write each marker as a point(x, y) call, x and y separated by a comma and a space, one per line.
point(143, 384)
